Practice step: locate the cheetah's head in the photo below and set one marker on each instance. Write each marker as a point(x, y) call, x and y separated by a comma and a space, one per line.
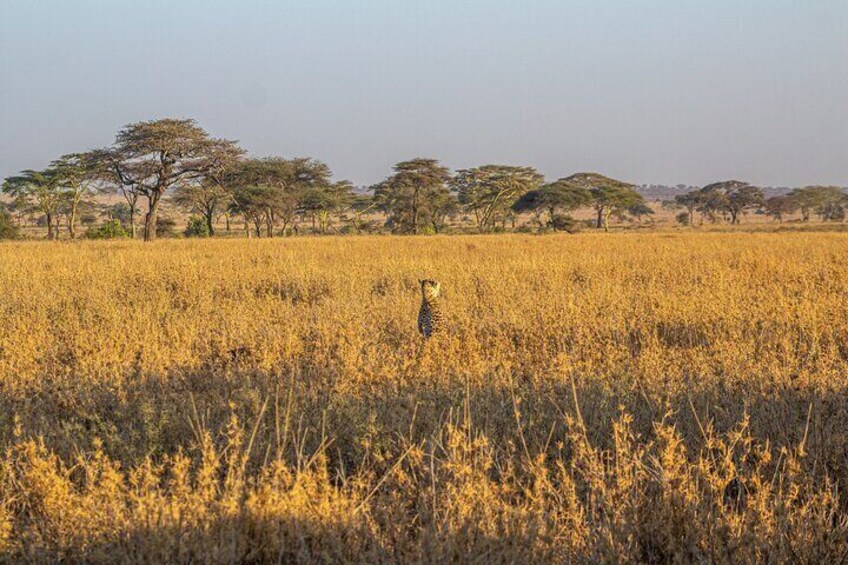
point(430, 288)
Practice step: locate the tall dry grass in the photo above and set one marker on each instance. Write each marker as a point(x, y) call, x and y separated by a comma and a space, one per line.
point(620, 397)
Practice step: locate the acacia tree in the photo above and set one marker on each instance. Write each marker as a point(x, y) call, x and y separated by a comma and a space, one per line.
point(206, 198)
point(360, 205)
point(153, 157)
point(736, 197)
point(491, 190)
point(409, 195)
point(712, 205)
point(444, 205)
point(252, 202)
point(39, 190)
point(806, 199)
point(779, 206)
point(211, 195)
point(607, 195)
point(280, 185)
point(342, 195)
point(640, 210)
point(77, 175)
point(559, 195)
point(832, 203)
point(323, 200)
point(690, 201)
point(826, 201)
point(107, 169)
point(258, 187)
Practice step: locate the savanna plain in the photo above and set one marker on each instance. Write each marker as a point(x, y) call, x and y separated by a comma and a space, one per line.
point(622, 397)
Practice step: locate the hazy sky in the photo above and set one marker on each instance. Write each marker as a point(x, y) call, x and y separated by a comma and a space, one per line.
point(655, 91)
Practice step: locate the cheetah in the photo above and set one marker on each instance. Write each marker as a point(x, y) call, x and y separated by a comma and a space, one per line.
point(430, 314)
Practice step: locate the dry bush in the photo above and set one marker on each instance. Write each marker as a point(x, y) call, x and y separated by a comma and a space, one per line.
point(621, 397)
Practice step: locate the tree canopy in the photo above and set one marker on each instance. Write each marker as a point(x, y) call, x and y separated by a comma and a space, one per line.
point(827, 202)
point(732, 197)
point(607, 194)
point(40, 190)
point(77, 175)
point(274, 190)
point(490, 191)
point(410, 196)
point(154, 156)
point(780, 206)
point(554, 197)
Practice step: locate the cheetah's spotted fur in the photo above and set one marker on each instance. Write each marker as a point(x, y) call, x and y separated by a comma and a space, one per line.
point(430, 315)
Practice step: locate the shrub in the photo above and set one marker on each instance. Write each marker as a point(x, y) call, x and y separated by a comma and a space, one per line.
point(196, 227)
point(682, 218)
point(8, 230)
point(564, 223)
point(110, 230)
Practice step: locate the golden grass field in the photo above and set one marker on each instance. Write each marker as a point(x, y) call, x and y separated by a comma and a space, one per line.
point(660, 397)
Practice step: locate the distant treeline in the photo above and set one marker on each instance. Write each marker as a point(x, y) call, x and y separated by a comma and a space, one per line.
point(212, 178)
point(661, 192)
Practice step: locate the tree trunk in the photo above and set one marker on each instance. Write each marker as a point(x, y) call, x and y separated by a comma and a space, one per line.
point(600, 222)
point(50, 233)
point(607, 214)
point(482, 221)
point(210, 217)
point(152, 216)
point(72, 221)
point(133, 229)
point(415, 212)
point(227, 219)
